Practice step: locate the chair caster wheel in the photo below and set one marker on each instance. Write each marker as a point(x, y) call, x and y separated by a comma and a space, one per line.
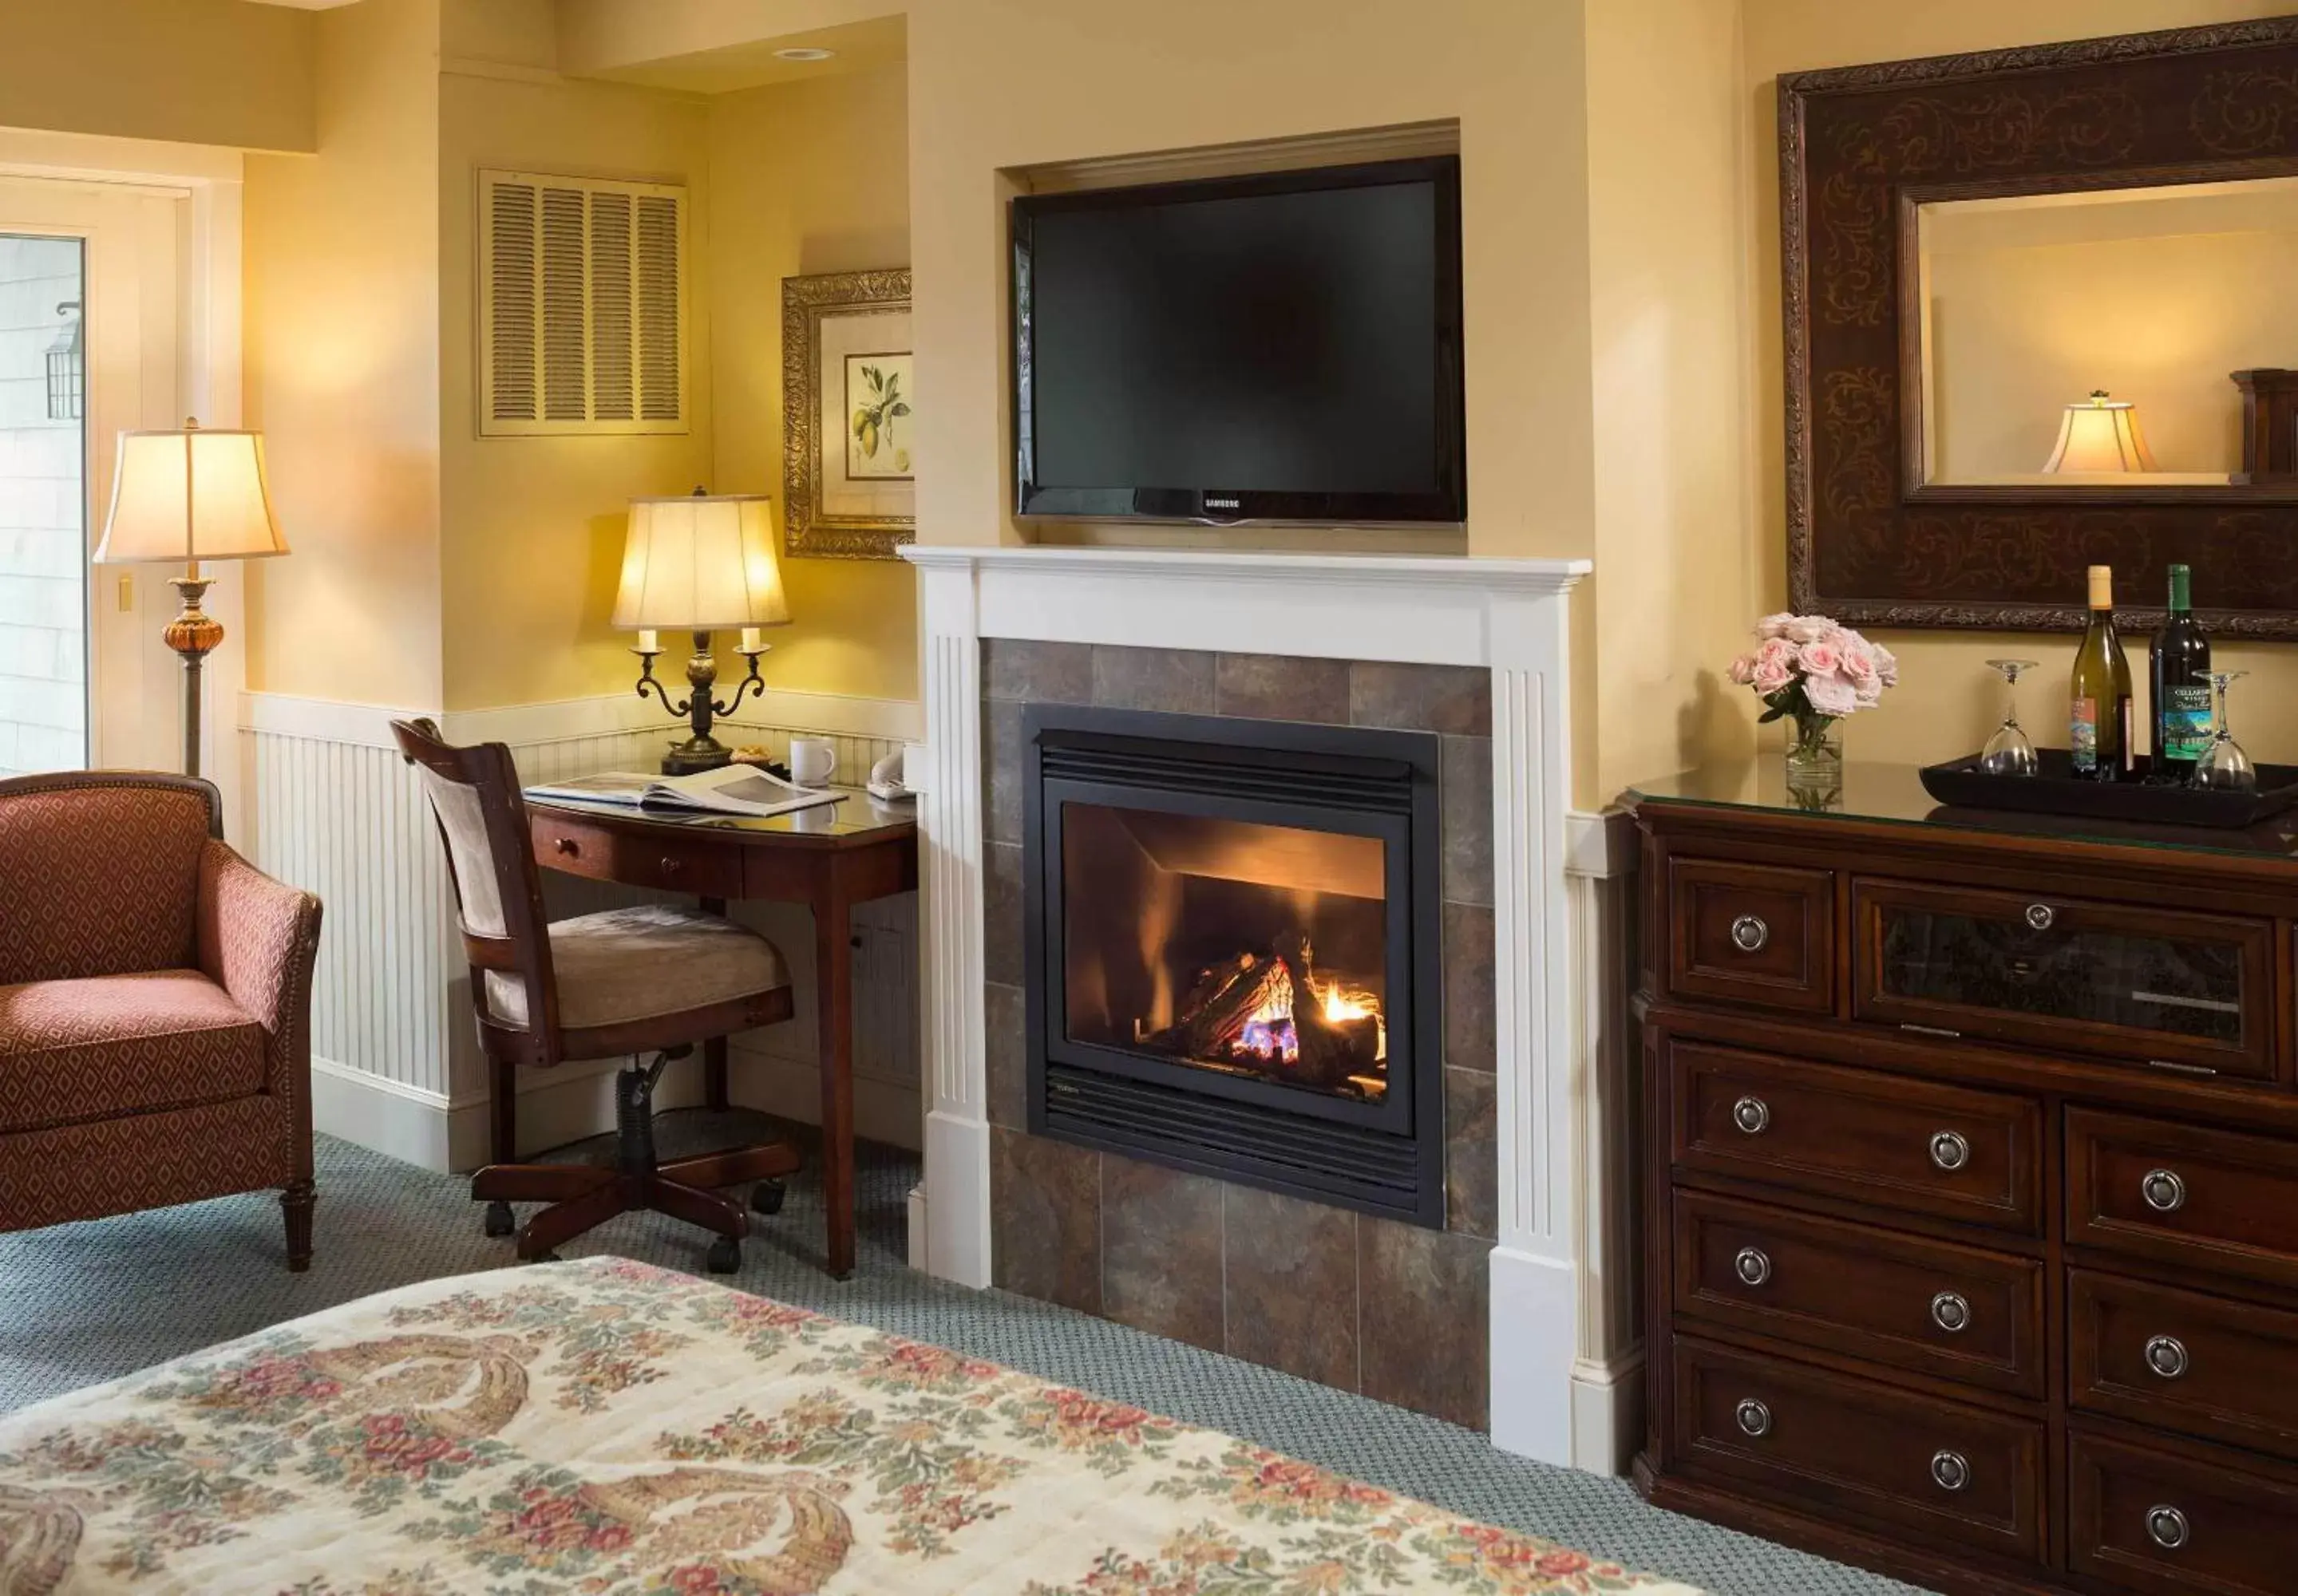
point(500, 1221)
point(766, 1197)
point(725, 1256)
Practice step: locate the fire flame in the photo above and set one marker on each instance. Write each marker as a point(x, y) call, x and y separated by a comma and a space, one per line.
point(1268, 1030)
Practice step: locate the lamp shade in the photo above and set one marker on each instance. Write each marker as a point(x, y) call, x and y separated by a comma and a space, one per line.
point(193, 494)
point(2101, 434)
point(700, 564)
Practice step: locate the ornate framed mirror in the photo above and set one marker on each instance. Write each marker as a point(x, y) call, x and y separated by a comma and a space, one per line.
point(2041, 312)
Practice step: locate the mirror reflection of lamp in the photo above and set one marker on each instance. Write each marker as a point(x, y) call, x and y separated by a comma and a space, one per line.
point(2101, 434)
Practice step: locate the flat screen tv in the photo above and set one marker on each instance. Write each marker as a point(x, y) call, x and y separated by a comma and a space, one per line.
point(1279, 348)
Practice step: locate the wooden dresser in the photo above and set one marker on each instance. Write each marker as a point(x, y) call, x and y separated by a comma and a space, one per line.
point(1971, 1193)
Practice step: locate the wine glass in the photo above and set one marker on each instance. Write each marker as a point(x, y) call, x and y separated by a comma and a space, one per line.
point(2224, 766)
point(2009, 753)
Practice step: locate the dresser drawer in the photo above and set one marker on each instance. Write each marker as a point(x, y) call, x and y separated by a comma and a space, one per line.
point(1914, 1146)
point(1930, 1307)
point(2205, 1200)
point(1751, 934)
point(2185, 1361)
point(670, 862)
point(2157, 1521)
point(1863, 1449)
point(2129, 981)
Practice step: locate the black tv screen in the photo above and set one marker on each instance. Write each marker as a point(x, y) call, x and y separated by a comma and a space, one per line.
point(1275, 348)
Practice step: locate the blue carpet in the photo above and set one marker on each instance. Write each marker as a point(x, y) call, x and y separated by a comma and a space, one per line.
point(85, 1303)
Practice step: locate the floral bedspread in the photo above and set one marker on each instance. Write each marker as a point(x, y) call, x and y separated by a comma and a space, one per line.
point(607, 1428)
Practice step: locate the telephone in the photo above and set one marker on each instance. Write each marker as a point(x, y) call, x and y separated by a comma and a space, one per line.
point(886, 778)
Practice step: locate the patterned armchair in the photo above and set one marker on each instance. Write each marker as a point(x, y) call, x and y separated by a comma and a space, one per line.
point(155, 1001)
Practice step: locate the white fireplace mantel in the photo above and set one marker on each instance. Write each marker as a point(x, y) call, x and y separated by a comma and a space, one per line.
point(1505, 616)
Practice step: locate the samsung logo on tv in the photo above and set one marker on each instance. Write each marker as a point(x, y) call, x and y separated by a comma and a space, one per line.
point(1214, 503)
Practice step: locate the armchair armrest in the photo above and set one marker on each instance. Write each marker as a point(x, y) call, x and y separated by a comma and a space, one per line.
point(259, 941)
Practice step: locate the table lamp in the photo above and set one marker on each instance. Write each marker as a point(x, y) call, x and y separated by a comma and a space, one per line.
point(190, 494)
point(700, 565)
point(2101, 434)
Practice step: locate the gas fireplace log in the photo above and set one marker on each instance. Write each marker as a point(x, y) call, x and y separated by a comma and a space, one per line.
point(1215, 1012)
point(1330, 1050)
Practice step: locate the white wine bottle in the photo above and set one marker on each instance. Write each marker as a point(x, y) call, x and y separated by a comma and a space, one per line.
point(2099, 724)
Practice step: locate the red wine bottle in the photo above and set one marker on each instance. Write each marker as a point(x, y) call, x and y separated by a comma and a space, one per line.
point(2178, 670)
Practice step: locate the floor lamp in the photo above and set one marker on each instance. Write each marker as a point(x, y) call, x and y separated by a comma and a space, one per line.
point(190, 494)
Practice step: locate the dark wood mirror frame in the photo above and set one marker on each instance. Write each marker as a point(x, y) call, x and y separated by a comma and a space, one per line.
point(1861, 149)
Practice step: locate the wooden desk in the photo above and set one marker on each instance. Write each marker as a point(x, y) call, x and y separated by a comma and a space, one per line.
point(828, 857)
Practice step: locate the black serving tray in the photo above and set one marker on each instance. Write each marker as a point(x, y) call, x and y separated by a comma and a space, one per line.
point(2056, 790)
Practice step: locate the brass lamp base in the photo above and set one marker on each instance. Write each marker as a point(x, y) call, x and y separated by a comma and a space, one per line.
point(696, 755)
point(194, 634)
point(701, 751)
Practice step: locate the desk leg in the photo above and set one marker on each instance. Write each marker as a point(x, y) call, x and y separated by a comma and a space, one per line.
point(714, 1051)
point(833, 953)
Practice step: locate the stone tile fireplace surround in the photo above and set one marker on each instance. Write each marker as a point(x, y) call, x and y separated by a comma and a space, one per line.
point(1487, 1321)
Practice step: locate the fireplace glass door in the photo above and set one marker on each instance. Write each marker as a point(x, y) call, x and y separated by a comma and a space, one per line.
point(1237, 947)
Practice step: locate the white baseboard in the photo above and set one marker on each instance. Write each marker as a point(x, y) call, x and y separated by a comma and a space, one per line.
point(1534, 1320)
point(1607, 1412)
point(957, 1220)
point(884, 1111)
point(917, 1258)
point(405, 1121)
point(435, 1132)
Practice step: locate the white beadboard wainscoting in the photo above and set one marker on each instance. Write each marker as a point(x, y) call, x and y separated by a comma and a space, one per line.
point(332, 809)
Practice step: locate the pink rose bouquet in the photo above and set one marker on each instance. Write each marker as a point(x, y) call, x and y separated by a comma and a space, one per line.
point(1809, 668)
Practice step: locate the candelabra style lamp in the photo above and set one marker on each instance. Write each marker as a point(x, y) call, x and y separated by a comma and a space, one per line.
point(700, 565)
point(193, 494)
point(2101, 434)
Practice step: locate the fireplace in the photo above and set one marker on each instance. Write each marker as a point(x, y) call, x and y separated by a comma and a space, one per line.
point(1231, 960)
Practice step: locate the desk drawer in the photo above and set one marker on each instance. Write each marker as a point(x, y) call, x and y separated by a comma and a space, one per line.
point(2205, 1199)
point(665, 859)
point(1866, 1450)
point(1752, 934)
point(1914, 1146)
point(2152, 1520)
point(2206, 1365)
point(1933, 1307)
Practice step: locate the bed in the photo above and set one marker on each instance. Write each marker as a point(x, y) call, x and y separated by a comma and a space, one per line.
point(607, 1428)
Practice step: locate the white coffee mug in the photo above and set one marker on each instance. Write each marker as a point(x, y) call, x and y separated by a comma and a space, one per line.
point(812, 760)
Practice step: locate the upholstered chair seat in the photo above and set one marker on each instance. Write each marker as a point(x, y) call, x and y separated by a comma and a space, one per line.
point(115, 1045)
point(643, 963)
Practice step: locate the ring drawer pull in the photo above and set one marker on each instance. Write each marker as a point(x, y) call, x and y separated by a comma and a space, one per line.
point(2167, 1528)
point(1950, 1470)
point(2040, 915)
point(1752, 1266)
point(2163, 1190)
point(1949, 1151)
point(568, 845)
point(1754, 1418)
point(2166, 1355)
point(1750, 933)
point(1752, 1115)
point(1951, 1312)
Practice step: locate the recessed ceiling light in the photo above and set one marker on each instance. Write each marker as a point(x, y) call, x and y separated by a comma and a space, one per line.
point(803, 53)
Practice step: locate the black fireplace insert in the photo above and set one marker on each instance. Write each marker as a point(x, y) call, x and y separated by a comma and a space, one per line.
point(1232, 955)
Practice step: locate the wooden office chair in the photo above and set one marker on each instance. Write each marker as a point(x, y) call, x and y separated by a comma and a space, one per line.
point(654, 978)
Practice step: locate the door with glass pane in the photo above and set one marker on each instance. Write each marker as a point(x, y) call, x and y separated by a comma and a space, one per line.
point(88, 342)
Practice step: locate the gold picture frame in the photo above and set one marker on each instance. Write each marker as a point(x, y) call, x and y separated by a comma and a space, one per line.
point(846, 492)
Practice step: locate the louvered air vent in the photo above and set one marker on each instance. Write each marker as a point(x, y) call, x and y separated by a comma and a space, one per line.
point(582, 305)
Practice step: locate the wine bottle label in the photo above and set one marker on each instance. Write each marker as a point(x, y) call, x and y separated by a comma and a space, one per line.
point(2082, 734)
point(2185, 722)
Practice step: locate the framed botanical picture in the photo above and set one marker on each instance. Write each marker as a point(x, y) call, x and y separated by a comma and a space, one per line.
point(849, 414)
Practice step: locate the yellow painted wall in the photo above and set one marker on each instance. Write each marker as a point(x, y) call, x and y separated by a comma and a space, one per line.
point(807, 177)
point(532, 530)
point(1676, 571)
point(342, 349)
point(1947, 700)
point(193, 71)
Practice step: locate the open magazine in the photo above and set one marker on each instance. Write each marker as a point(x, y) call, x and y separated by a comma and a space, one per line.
point(730, 790)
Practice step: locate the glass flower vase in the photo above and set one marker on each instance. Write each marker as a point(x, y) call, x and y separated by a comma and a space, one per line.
point(1813, 761)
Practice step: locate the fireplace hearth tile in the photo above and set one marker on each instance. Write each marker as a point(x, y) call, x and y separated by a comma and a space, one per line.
point(1470, 1040)
point(1005, 1042)
point(1274, 686)
point(1161, 1258)
point(1045, 1220)
point(1455, 700)
point(1292, 1286)
point(1001, 771)
point(1001, 913)
point(1177, 681)
point(1424, 1320)
point(1467, 819)
point(1038, 672)
point(1471, 1153)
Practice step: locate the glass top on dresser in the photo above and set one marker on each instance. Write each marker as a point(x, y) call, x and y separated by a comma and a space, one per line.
point(1894, 794)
